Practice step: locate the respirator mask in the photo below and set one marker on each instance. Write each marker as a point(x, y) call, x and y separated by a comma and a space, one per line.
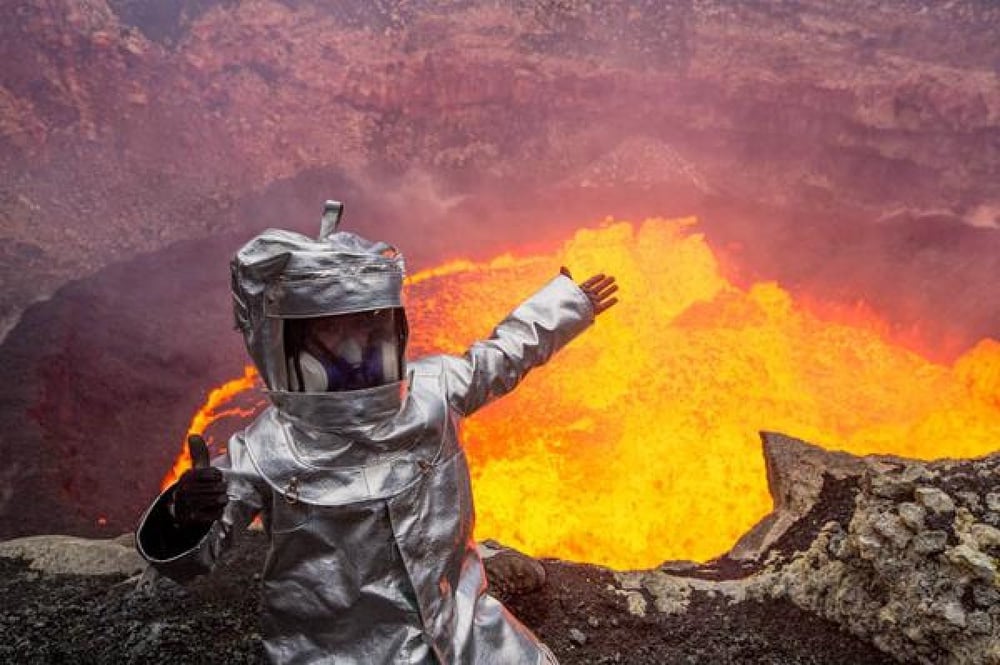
point(344, 352)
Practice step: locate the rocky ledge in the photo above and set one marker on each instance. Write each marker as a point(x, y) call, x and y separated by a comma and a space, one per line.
point(863, 560)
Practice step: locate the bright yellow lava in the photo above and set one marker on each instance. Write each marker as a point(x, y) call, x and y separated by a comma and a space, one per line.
point(639, 442)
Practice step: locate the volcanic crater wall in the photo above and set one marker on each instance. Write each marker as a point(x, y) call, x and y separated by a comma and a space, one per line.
point(132, 124)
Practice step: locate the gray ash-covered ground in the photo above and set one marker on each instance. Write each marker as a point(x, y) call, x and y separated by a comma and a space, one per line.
point(579, 614)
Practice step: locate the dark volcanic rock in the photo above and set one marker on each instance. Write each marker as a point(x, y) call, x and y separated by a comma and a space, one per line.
point(711, 630)
point(66, 618)
point(882, 549)
point(99, 390)
point(78, 619)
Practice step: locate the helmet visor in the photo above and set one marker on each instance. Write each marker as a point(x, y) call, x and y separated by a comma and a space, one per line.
point(345, 351)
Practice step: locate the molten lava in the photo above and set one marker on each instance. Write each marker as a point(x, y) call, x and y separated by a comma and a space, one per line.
point(638, 443)
point(217, 406)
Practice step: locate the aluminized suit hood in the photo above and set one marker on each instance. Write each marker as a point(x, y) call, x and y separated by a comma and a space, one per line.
point(281, 275)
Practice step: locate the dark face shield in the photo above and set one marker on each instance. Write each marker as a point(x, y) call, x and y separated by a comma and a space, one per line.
point(345, 351)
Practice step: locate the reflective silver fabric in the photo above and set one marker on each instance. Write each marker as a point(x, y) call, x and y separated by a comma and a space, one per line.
point(282, 274)
point(366, 498)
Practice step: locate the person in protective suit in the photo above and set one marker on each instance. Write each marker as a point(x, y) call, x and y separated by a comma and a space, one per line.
point(356, 467)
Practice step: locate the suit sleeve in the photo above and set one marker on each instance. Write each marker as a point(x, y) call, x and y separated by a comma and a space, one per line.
point(184, 553)
point(527, 338)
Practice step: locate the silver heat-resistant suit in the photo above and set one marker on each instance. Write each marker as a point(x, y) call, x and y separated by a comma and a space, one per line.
point(365, 494)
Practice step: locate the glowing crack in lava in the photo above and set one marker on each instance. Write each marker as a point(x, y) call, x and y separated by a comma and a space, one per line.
point(639, 442)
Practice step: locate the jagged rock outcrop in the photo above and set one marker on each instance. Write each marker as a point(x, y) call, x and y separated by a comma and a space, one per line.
point(915, 569)
point(901, 553)
point(68, 555)
point(796, 475)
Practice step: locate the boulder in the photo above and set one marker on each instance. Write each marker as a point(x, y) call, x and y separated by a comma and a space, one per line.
point(69, 555)
point(905, 559)
point(795, 478)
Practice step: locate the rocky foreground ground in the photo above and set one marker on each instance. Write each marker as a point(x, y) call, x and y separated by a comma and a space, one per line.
point(864, 560)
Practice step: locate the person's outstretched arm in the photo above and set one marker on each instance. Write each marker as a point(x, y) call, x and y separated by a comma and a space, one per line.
point(527, 338)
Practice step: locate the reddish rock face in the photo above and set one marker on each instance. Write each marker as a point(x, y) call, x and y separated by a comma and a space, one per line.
point(131, 124)
point(849, 150)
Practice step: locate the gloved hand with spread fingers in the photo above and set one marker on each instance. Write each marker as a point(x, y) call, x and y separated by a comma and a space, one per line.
point(599, 289)
point(200, 495)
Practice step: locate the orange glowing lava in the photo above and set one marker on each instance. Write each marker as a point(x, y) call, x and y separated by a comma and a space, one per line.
point(217, 406)
point(638, 443)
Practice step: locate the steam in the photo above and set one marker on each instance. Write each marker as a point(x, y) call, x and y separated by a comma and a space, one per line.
point(986, 216)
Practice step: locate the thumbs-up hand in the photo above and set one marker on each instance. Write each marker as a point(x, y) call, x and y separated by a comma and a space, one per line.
point(200, 495)
point(198, 452)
